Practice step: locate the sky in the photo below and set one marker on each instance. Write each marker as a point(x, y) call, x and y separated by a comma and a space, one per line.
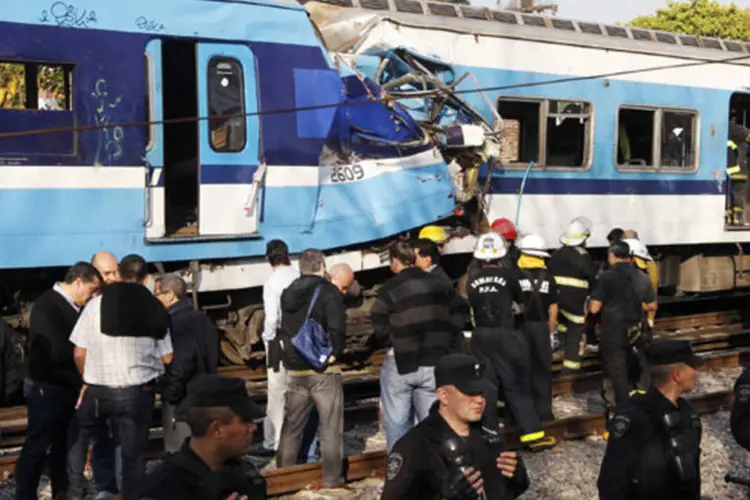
point(605, 11)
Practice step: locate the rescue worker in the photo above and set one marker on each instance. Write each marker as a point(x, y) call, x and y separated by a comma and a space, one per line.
point(574, 273)
point(540, 319)
point(436, 234)
point(492, 293)
point(222, 420)
point(653, 452)
point(450, 455)
point(643, 261)
point(739, 418)
point(622, 295)
point(737, 171)
point(506, 230)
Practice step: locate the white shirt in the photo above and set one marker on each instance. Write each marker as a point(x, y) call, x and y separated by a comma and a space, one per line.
point(117, 362)
point(280, 278)
point(67, 297)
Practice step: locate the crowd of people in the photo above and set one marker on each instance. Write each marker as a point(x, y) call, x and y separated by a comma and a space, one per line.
point(109, 337)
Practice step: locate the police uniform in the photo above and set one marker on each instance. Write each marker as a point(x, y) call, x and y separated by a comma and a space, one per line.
point(425, 463)
point(186, 476)
point(539, 292)
point(739, 420)
point(503, 347)
point(574, 273)
point(653, 451)
point(622, 290)
point(737, 171)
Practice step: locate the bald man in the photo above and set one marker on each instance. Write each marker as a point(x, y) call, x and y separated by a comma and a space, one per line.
point(106, 263)
point(630, 234)
point(343, 277)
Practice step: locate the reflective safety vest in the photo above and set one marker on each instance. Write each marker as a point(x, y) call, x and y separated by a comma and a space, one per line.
point(734, 170)
point(737, 151)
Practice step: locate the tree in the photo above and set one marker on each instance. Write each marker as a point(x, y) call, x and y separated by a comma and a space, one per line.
point(706, 18)
point(50, 83)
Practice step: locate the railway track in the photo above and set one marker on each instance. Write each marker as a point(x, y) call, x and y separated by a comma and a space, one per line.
point(721, 337)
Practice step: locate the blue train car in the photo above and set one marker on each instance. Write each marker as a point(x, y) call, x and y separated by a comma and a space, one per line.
point(172, 129)
point(627, 127)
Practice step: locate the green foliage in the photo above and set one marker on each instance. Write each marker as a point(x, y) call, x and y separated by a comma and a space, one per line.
point(50, 83)
point(700, 17)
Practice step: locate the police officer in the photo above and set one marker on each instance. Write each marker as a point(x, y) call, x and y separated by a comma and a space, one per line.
point(653, 452)
point(493, 291)
point(540, 319)
point(737, 171)
point(739, 420)
point(222, 419)
point(622, 295)
point(450, 455)
point(574, 273)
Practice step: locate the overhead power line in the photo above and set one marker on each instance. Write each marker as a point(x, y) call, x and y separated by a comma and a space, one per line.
point(281, 111)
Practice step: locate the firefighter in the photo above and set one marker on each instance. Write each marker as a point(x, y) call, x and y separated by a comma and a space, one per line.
point(494, 293)
point(540, 319)
point(506, 230)
point(574, 274)
point(737, 172)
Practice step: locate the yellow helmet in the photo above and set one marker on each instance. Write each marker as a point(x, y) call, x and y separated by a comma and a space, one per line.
point(434, 233)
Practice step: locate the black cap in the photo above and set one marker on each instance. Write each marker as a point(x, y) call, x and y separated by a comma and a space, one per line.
point(668, 352)
point(213, 391)
point(462, 370)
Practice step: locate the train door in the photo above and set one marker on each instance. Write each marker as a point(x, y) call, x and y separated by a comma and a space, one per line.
point(201, 164)
point(737, 214)
point(230, 174)
point(172, 152)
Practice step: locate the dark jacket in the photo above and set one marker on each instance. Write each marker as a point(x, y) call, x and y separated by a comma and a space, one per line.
point(636, 464)
point(440, 273)
point(417, 466)
point(196, 349)
point(739, 420)
point(50, 351)
point(184, 476)
point(329, 311)
point(420, 316)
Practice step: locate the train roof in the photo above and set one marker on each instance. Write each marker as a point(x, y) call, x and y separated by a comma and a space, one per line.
point(484, 21)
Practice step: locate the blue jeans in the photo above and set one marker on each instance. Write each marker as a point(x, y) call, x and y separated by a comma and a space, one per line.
point(402, 394)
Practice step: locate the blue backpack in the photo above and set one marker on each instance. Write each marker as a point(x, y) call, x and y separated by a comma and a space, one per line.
point(312, 341)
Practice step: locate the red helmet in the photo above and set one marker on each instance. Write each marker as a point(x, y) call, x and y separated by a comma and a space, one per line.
point(505, 228)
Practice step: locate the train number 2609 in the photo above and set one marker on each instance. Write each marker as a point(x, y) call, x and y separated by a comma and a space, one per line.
point(347, 173)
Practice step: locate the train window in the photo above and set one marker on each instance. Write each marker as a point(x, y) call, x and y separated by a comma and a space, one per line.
point(226, 96)
point(567, 133)
point(563, 126)
point(148, 103)
point(655, 139)
point(35, 86)
point(678, 139)
point(635, 137)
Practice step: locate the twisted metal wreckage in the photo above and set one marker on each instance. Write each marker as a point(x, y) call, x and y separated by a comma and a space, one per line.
point(426, 86)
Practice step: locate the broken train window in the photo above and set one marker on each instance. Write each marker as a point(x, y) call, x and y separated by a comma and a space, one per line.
point(552, 133)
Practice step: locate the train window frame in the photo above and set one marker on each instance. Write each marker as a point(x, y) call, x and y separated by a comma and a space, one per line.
point(656, 148)
point(68, 70)
point(150, 127)
point(243, 108)
point(544, 103)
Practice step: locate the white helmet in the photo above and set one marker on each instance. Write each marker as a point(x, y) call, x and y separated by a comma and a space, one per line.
point(575, 234)
point(532, 244)
point(638, 249)
point(490, 246)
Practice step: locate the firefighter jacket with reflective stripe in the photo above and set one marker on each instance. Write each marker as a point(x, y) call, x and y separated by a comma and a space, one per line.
point(737, 151)
point(574, 274)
